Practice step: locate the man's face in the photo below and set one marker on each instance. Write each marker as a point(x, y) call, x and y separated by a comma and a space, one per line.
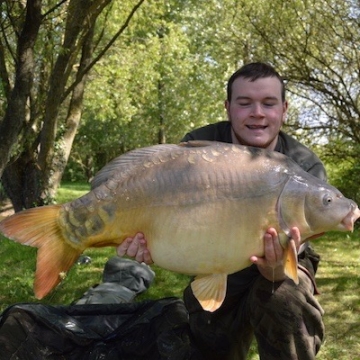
point(256, 112)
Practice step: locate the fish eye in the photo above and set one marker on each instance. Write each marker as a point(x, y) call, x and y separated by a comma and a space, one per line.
point(327, 199)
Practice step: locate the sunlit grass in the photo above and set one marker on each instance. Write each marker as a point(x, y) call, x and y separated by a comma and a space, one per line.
point(70, 191)
point(338, 281)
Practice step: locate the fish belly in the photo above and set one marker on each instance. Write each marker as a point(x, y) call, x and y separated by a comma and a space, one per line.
point(219, 237)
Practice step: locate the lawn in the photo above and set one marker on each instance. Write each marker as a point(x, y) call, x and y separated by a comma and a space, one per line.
point(338, 281)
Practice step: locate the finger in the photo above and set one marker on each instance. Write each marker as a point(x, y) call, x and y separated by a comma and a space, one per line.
point(122, 248)
point(272, 232)
point(271, 247)
point(139, 256)
point(268, 249)
point(134, 246)
point(147, 257)
point(258, 261)
point(143, 253)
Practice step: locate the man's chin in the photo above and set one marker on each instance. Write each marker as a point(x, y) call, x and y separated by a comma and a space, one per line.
point(258, 142)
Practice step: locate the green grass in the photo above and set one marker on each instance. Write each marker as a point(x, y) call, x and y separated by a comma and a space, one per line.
point(70, 191)
point(339, 284)
point(338, 281)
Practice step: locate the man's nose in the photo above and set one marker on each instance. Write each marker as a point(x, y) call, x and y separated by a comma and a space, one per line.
point(257, 110)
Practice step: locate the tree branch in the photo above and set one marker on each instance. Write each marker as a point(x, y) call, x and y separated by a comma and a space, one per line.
point(103, 51)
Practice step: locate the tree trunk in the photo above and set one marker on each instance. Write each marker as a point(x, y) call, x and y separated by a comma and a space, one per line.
point(33, 174)
point(74, 114)
point(21, 182)
point(16, 111)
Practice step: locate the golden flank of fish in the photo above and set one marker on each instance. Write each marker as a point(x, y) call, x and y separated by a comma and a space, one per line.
point(203, 207)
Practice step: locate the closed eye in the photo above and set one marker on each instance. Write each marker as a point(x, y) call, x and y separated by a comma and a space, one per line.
point(269, 104)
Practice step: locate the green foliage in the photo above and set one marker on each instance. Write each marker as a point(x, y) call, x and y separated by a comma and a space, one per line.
point(343, 167)
point(168, 75)
point(344, 176)
point(152, 88)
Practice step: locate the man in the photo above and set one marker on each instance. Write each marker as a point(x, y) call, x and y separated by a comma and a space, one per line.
point(286, 319)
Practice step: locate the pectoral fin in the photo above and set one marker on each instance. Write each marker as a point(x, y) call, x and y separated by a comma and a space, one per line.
point(291, 261)
point(210, 290)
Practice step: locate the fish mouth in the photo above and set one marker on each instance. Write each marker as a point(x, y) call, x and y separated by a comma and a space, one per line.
point(349, 220)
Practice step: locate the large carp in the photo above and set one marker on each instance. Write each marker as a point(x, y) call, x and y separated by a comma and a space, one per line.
point(203, 207)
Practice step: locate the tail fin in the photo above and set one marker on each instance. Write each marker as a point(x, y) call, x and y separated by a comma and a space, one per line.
point(38, 227)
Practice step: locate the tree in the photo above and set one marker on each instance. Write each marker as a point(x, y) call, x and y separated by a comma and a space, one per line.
point(179, 78)
point(315, 45)
point(167, 75)
point(151, 89)
point(50, 47)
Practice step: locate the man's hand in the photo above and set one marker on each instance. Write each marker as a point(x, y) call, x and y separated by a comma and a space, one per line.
point(271, 266)
point(135, 247)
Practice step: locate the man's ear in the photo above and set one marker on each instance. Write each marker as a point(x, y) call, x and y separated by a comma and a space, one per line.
point(227, 108)
point(285, 109)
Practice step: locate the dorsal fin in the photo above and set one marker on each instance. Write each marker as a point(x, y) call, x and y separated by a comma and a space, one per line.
point(128, 161)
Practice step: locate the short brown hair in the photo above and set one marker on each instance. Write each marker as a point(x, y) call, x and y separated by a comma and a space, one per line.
point(254, 71)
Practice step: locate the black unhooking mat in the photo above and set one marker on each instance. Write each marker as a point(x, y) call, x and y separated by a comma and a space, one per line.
point(146, 330)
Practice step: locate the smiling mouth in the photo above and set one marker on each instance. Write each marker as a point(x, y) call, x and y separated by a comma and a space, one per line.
point(256, 127)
